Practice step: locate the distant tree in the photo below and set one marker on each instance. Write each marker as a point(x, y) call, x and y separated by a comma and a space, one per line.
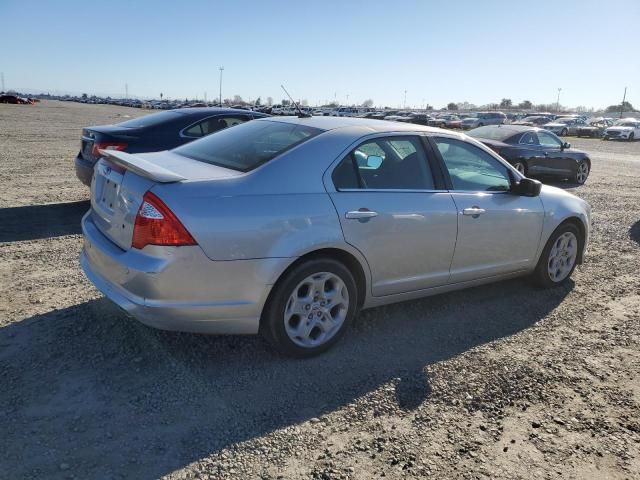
point(506, 103)
point(237, 99)
point(258, 101)
point(84, 96)
point(525, 105)
point(452, 106)
point(625, 107)
point(269, 101)
point(285, 102)
point(368, 103)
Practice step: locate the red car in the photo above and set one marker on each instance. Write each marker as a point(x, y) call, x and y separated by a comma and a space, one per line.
point(14, 99)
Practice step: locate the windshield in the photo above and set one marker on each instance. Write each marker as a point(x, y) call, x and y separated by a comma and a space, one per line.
point(626, 124)
point(491, 132)
point(534, 119)
point(246, 146)
point(149, 120)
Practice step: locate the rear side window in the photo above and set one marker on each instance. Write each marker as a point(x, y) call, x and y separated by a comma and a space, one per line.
point(386, 163)
point(214, 124)
point(249, 145)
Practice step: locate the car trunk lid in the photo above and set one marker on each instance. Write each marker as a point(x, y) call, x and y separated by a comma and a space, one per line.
point(121, 180)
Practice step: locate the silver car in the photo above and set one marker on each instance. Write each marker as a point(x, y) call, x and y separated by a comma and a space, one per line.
point(289, 226)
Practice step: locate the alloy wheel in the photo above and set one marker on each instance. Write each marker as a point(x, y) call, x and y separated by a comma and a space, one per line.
point(583, 172)
point(316, 309)
point(519, 166)
point(562, 257)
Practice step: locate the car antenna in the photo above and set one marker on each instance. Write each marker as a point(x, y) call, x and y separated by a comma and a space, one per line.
point(301, 114)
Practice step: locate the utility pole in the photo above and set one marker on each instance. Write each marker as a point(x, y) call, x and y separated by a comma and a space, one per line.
point(624, 97)
point(205, 97)
point(558, 101)
point(221, 70)
point(126, 91)
point(347, 99)
point(2, 76)
point(405, 100)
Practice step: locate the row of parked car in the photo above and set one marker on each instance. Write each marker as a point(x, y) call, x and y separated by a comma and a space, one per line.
point(17, 100)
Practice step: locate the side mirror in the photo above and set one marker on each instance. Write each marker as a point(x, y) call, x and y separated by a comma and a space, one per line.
point(528, 187)
point(566, 145)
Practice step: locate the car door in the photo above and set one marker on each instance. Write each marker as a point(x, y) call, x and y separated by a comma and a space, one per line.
point(395, 214)
point(556, 159)
point(530, 152)
point(498, 231)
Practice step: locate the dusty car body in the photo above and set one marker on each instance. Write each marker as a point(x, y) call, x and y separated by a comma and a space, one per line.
point(289, 226)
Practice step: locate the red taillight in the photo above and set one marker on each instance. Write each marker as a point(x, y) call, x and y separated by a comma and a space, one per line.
point(157, 225)
point(95, 151)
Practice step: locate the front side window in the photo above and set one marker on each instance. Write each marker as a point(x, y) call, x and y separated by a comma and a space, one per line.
point(530, 139)
point(386, 163)
point(249, 145)
point(471, 168)
point(548, 140)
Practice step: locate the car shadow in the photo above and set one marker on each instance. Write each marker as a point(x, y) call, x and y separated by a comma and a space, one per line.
point(87, 389)
point(634, 232)
point(41, 221)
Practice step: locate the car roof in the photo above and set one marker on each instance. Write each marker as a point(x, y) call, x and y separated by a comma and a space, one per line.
point(332, 123)
point(515, 128)
point(205, 110)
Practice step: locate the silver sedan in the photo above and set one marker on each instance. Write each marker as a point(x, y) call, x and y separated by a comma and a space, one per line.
point(288, 227)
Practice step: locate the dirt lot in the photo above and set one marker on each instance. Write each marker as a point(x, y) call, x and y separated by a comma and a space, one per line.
point(503, 381)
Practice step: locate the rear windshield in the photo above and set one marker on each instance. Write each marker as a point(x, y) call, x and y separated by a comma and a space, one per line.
point(149, 120)
point(491, 133)
point(245, 147)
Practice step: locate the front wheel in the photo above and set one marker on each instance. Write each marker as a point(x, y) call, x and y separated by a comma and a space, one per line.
point(521, 167)
point(631, 137)
point(559, 257)
point(582, 172)
point(310, 308)
point(564, 132)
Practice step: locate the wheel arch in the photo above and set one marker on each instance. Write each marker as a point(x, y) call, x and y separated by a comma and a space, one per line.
point(582, 230)
point(348, 259)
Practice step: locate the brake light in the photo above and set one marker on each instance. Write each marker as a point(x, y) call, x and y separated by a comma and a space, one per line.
point(157, 225)
point(95, 151)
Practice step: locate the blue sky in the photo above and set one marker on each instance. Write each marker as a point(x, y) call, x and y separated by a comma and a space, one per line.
point(439, 51)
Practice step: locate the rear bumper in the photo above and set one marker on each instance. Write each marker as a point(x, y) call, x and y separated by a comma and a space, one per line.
point(84, 170)
point(179, 288)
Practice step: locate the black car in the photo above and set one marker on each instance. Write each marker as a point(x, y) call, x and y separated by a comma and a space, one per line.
point(155, 132)
point(535, 151)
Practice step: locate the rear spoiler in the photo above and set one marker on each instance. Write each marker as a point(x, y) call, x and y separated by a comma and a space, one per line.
point(141, 166)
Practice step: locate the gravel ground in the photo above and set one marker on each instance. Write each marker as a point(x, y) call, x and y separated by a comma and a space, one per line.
point(502, 381)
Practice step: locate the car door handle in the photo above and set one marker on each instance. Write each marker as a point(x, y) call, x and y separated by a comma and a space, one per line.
point(359, 214)
point(473, 211)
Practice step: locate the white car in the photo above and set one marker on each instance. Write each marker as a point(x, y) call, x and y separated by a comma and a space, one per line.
point(627, 129)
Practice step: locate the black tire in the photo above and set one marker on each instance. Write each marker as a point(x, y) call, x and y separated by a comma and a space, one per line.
point(540, 275)
point(564, 132)
point(272, 325)
point(581, 164)
point(631, 135)
point(524, 170)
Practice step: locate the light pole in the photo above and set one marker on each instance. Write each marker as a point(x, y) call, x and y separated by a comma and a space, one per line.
point(221, 69)
point(558, 101)
point(405, 100)
point(347, 99)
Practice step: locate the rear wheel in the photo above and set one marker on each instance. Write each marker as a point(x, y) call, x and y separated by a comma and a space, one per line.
point(559, 257)
point(564, 132)
point(631, 137)
point(582, 172)
point(310, 308)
